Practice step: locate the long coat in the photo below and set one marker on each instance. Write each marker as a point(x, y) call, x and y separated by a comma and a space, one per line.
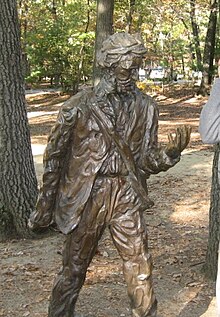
point(78, 150)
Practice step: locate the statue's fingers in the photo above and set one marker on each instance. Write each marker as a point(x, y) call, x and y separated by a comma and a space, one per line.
point(189, 131)
point(186, 132)
point(170, 138)
point(178, 138)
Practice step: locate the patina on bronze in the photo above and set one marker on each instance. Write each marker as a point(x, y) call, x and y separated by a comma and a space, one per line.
point(99, 155)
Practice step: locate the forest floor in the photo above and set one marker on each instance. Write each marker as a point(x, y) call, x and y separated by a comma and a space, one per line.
point(177, 228)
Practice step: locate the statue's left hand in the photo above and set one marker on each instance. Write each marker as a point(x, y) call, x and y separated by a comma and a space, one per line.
point(39, 221)
point(36, 229)
point(178, 142)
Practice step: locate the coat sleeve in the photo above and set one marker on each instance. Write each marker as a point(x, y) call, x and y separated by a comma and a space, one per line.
point(209, 125)
point(154, 158)
point(53, 161)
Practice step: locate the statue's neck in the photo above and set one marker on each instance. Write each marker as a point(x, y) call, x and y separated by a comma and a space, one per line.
point(106, 86)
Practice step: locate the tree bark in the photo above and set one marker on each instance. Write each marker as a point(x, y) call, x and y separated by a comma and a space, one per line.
point(18, 184)
point(104, 28)
point(130, 16)
point(195, 32)
point(211, 42)
point(24, 8)
point(210, 267)
point(209, 50)
point(82, 49)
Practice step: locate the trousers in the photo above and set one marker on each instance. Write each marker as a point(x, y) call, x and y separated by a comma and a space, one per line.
point(112, 203)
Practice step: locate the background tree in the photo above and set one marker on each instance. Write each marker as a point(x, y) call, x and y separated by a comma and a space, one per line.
point(18, 185)
point(209, 49)
point(83, 48)
point(60, 48)
point(104, 28)
point(23, 7)
point(60, 35)
point(195, 34)
point(130, 16)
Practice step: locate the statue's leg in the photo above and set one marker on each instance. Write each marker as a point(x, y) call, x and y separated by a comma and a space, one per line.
point(70, 279)
point(130, 238)
point(79, 249)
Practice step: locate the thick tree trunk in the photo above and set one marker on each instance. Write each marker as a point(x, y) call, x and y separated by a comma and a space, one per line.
point(210, 267)
point(104, 28)
point(18, 184)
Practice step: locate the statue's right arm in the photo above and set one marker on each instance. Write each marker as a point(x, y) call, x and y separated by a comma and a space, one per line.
point(57, 146)
point(54, 155)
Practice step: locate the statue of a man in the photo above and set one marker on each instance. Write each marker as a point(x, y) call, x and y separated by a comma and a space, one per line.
point(99, 155)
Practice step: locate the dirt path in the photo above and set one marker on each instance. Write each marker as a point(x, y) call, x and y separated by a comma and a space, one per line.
point(177, 226)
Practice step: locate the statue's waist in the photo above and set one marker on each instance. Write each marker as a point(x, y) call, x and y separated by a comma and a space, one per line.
point(113, 166)
point(110, 174)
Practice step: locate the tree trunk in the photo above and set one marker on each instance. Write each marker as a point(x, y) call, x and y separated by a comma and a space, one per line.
point(195, 32)
point(104, 28)
point(211, 34)
point(82, 49)
point(209, 50)
point(210, 267)
point(54, 9)
point(23, 9)
point(130, 16)
point(18, 184)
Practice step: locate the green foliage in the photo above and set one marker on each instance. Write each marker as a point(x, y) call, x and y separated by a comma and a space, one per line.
point(58, 36)
point(54, 40)
point(166, 29)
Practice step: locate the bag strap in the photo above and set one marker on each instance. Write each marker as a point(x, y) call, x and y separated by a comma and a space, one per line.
point(106, 125)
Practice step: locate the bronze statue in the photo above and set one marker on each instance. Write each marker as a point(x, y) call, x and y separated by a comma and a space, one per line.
point(99, 155)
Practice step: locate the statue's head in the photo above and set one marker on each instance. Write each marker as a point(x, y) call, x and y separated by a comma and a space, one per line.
point(121, 47)
point(122, 54)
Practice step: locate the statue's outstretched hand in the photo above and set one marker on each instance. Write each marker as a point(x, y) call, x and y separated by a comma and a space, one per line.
point(178, 142)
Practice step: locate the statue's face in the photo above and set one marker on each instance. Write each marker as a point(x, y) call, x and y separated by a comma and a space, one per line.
point(126, 71)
